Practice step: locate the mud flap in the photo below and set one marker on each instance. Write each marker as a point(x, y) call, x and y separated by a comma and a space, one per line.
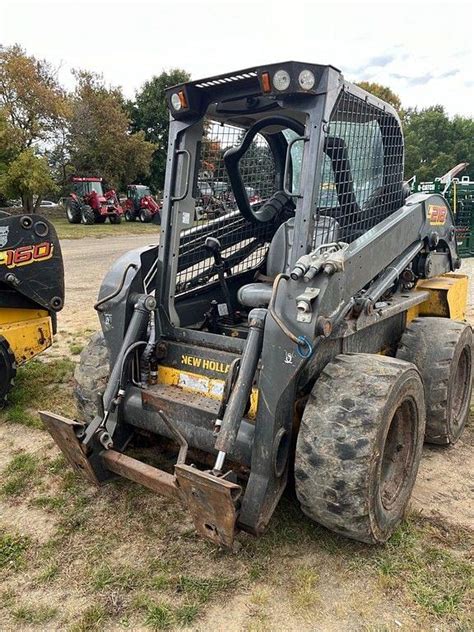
point(212, 503)
point(63, 432)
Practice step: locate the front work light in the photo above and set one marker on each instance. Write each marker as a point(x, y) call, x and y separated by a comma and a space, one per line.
point(178, 100)
point(281, 80)
point(306, 79)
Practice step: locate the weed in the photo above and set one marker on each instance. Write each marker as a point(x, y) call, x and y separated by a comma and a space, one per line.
point(34, 615)
point(75, 349)
point(19, 474)
point(38, 384)
point(12, 549)
point(186, 614)
point(92, 618)
point(160, 617)
point(203, 589)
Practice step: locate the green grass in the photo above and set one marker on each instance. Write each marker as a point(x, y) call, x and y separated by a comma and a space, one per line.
point(75, 349)
point(34, 615)
point(66, 230)
point(91, 619)
point(38, 385)
point(12, 549)
point(19, 475)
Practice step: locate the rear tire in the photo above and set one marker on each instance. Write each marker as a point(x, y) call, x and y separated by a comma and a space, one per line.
point(87, 214)
point(145, 215)
point(90, 376)
point(73, 212)
point(7, 370)
point(442, 349)
point(359, 445)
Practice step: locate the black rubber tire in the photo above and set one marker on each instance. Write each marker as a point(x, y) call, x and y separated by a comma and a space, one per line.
point(7, 370)
point(90, 376)
point(359, 445)
point(442, 349)
point(100, 219)
point(145, 216)
point(73, 212)
point(115, 219)
point(129, 216)
point(87, 214)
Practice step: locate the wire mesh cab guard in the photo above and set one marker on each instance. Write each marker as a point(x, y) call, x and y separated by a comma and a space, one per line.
point(349, 179)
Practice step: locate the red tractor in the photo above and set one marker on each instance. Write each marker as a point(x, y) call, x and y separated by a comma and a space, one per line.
point(87, 203)
point(141, 204)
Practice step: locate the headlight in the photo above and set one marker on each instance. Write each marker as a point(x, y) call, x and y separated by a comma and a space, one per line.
point(176, 101)
point(281, 80)
point(306, 79)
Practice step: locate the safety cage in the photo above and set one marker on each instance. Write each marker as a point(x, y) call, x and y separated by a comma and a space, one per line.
point(337, 157)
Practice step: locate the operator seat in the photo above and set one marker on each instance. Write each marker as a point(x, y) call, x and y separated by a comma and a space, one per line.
point(278, 259)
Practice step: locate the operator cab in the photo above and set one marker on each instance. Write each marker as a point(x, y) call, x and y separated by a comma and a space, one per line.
point(266, 169)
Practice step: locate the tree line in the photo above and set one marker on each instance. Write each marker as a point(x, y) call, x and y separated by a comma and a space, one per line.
point(48, 134)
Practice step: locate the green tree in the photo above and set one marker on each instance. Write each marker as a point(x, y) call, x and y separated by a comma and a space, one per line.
point(100, 142)
point(382, 92)
point(31, 99)
point(149, 113)
point(26, 176)
point(434, 143)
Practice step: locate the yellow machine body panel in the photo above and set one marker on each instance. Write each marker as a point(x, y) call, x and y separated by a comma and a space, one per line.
point(27, 331)
point(448, 297)
point(201, 384)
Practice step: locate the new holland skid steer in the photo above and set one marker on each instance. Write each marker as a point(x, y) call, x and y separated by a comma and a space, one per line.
point(31, 291)
point(314, 336)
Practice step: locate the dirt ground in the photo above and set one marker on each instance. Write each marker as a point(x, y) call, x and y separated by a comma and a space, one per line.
point(122, 558)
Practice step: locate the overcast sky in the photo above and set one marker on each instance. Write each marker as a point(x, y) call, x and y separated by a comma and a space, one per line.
point(422, 50)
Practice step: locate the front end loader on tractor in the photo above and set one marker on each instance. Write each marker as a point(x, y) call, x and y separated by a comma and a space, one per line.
point(316, 337)
point(31, 291)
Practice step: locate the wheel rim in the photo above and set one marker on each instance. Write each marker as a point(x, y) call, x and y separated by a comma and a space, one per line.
point(398, 453)
point(461, 385)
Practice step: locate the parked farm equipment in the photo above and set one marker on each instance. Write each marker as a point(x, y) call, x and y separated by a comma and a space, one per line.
point(141, 205)
point(89, 204)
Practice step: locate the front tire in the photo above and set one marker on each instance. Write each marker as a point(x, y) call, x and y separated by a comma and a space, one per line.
point(129, 216)
point(90, 376)
point(115, 219)
point(442, 349)
point(359, 445)
point(87, 214)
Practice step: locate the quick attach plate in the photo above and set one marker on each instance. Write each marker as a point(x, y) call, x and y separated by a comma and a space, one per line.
point(63, 432)
point(212, 503)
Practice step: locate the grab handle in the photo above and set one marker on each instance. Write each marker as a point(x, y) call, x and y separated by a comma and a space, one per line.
point(178, 198)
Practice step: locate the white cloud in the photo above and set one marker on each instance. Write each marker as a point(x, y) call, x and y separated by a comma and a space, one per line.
point(414, 47)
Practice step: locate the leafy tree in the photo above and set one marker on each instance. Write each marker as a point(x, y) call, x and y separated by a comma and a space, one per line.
point(382, 92)
point(100, 142)
point(434, 143)
point(149, 113)
point(31, 99)
point(27, 175)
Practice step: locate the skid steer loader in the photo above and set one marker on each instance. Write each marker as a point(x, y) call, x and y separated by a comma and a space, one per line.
point(315, 336)
point(31, 291)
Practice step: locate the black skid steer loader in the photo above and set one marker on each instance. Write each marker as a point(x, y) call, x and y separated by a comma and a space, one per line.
point(316, 326)
point(31, 291)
